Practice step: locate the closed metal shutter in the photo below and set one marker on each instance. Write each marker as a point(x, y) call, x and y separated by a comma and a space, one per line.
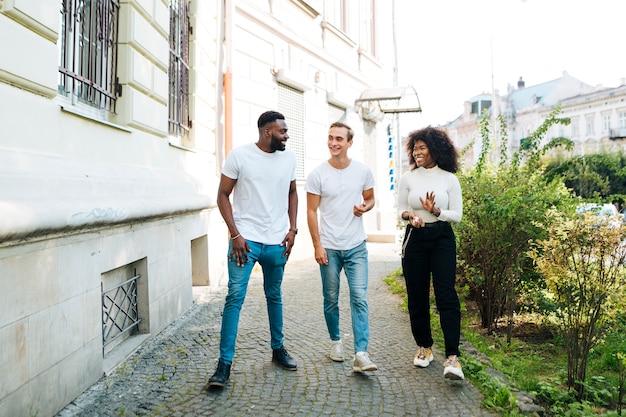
point(291, 104)
point(370, 219)
point(336, 114)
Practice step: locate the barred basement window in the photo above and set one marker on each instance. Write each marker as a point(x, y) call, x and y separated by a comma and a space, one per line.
point(179, 122)
point(125, 306)
point(88, 62)
point(120, 310)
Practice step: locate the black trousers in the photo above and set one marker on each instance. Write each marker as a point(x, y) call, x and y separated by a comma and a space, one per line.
point(432, 251)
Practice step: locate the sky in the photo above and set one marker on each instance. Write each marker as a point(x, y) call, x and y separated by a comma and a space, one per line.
point(453, 50)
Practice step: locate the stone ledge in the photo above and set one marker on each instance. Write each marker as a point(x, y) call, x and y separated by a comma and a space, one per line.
point(382, 236)
point(42, 194)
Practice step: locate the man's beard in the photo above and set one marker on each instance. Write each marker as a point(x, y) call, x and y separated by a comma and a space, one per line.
point(276, 144)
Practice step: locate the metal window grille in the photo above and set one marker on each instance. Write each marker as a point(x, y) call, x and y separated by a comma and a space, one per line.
point(88, 62)
point(180, 29)
point(120, 312)
point(291, 104)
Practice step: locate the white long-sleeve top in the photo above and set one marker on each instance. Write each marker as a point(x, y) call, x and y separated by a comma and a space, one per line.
point(448, 196)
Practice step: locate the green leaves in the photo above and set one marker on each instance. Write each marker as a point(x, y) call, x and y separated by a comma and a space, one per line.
point(582, 260)
point(597, 176)
point(503, 200)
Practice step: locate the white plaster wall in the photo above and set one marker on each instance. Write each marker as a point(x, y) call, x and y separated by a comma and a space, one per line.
point(39, 17)
point(36, 72)
point(82, 194)
point(205, 77)
point(53, 318)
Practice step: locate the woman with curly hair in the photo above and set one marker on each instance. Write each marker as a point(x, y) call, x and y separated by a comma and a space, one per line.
point(429, 198)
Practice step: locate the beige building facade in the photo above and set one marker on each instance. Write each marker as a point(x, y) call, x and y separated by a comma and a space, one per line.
point(597, 115)
point(116, 117)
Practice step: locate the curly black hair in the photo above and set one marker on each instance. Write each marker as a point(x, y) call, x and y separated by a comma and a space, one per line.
point(440, 146)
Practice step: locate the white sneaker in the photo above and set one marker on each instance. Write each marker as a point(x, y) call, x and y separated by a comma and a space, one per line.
point(336, 350)
point(452, 368)
point(363, 363)
point(423, 357)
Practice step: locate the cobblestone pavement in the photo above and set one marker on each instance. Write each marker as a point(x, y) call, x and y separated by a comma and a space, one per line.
point(168, 375)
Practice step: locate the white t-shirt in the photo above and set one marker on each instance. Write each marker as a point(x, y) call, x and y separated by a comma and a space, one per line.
point(261, 194)
point(340, 190)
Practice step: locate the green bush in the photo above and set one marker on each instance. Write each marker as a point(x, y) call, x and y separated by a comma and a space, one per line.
point(582, 260)
point(501, 205)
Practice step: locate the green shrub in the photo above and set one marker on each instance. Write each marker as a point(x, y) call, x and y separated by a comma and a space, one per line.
point(582, 260)
point(501, 203)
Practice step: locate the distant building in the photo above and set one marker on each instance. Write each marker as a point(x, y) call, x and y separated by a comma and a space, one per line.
point(598, 115)
point(115, 120)
point(598, 120)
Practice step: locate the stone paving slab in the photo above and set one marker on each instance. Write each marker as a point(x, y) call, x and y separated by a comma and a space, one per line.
point(168, 375)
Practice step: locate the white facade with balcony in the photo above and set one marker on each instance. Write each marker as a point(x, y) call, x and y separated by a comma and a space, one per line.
point(598, 121)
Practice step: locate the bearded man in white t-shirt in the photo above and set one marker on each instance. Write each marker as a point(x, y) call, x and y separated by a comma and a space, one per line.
point(262, 225)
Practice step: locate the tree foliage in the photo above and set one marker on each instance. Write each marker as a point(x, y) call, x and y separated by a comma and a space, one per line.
point(596, 176)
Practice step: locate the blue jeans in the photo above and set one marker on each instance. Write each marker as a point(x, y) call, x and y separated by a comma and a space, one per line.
point(354, 264)
point(272, 262)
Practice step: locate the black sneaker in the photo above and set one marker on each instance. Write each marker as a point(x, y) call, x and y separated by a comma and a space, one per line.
point(221, 375)
point(284, 359)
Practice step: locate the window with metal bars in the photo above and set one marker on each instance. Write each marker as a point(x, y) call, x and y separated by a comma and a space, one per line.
point(291, 104)
point(180, 30)
point(120, 310)
point(88, 61)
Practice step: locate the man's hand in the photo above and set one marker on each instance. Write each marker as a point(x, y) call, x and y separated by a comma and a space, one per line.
point(360, 210)
point(320, 256)
point(288, 242)
point(239, 251)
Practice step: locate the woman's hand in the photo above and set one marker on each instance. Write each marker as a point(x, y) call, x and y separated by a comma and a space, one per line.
point(414, 220)
point(429, 202)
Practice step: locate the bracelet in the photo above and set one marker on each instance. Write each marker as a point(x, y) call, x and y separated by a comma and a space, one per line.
point(233, 238)
point(294, 230)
